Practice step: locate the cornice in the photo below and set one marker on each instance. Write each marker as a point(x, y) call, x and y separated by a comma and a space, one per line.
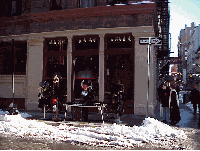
point(139, 31)
point(83, 12)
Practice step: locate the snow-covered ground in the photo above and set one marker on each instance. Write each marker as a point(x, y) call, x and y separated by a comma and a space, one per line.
point(152, 132)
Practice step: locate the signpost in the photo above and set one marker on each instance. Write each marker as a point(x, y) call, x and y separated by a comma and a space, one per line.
point(148, 41)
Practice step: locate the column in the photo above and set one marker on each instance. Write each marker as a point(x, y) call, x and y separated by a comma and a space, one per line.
point(101, 68)
point(34, 72)
point(69, 67)
point(140, 77)
point(143, 101)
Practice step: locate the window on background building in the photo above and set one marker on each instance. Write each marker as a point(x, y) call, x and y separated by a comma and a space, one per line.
point(108, 1)
point(91, 3)
point(86, 3)
point(113, 2)
point(55, 5)
point(14, 7)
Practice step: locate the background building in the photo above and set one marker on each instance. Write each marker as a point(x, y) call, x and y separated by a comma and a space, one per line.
point(188, 50)
point(82, 39)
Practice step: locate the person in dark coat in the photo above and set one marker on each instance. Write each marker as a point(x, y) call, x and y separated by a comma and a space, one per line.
point(117, 93)
point(41, 95)
point(194, 97)
point(174, 105)
point(44, 94)
point(164, 97)
point(87, 94)
point(159, 91)
point(178, 91)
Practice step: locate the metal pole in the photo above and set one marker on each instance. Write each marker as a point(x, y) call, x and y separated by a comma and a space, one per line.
point(65, 113)
point(102, 113)
point(148, 61)
point(44, 111)
point(13, 48)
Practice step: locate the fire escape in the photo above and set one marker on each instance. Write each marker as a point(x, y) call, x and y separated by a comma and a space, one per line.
point(163, 26)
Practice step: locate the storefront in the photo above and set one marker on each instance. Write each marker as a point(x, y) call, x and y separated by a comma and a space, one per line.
point(91, 47)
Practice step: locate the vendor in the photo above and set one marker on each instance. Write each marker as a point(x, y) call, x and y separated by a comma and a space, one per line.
point(44, 95)
point(87, 94)
point(117, 91)
point(57, 90)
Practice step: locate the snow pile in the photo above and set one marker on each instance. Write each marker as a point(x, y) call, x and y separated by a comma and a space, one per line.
point(5, 113)
point(24, 115)
point(151, 132)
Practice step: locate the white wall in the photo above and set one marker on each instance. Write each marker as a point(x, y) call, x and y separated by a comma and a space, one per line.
point(34, 71)
point(141, 79)
point(6, 87)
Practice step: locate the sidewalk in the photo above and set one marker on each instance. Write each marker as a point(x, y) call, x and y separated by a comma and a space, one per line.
point(128, 119)
point(188, 120)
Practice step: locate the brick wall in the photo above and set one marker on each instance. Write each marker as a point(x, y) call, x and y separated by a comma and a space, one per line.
point(82, 18)
point(111, 21)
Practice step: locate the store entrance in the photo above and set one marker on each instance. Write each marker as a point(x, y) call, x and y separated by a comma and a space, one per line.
point(120, 68)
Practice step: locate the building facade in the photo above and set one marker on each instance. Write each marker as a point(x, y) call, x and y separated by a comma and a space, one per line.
point(183, 46)
point(193, 61)
point(80, 40)
point(188, 47)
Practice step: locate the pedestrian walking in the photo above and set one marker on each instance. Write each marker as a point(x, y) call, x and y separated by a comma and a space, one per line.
point(164, 97)
point(174, 105)
point(194, 98)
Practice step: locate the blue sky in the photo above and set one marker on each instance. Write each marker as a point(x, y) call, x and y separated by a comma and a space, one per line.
point(182, 12)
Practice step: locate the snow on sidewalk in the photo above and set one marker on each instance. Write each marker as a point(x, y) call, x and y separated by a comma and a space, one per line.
point(152, 132)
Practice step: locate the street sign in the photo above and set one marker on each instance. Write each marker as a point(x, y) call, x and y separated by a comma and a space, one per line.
point(153, 40)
